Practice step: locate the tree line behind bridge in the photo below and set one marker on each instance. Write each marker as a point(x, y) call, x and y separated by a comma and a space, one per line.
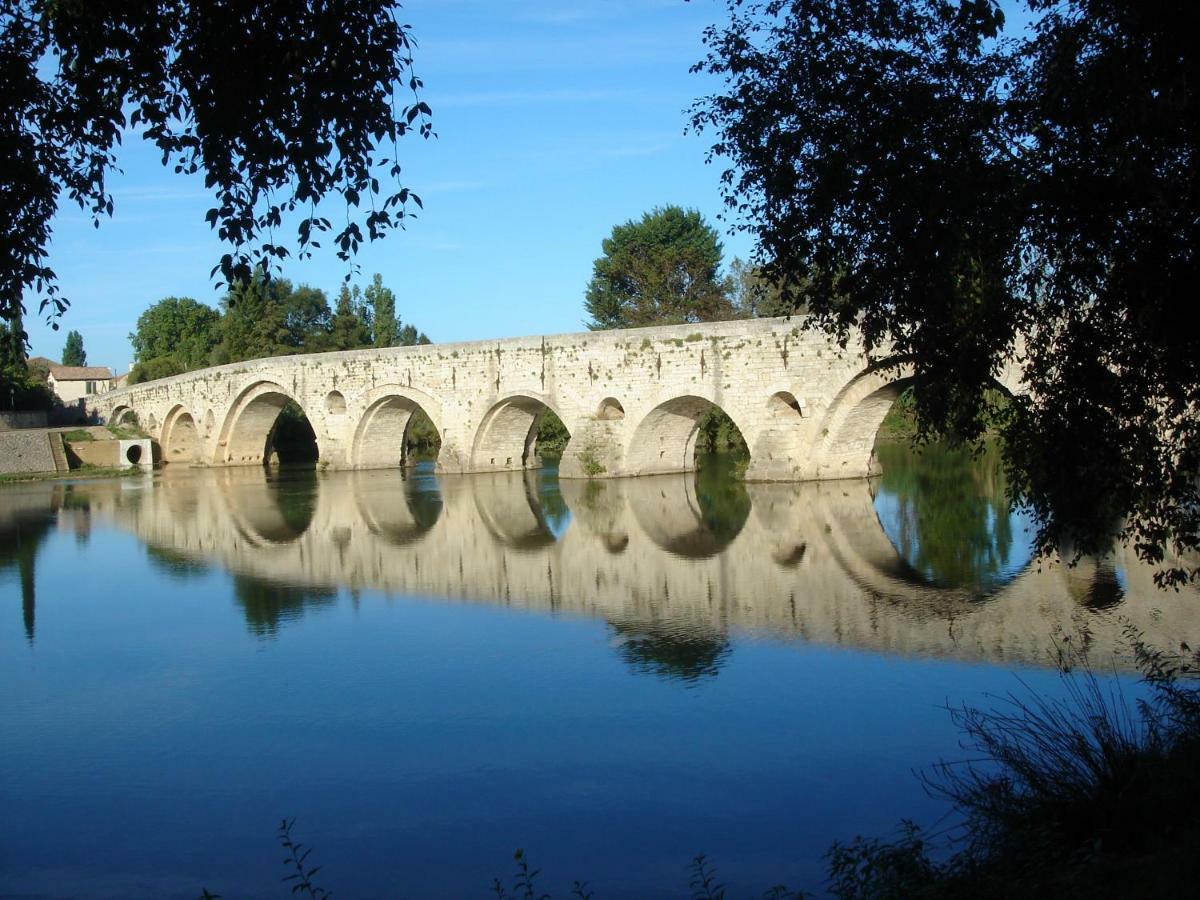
point(265, 318)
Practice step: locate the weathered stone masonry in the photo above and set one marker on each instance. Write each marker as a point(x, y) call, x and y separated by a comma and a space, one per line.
point(631, 400)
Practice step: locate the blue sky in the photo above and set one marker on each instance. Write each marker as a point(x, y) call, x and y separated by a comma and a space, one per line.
point(556, 120)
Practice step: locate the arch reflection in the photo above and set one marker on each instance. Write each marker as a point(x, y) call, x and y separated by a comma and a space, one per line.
point(948, 516)
point(670, 565)
point(521, 510)
point(691, 515)
point(270, 506)
point(399, 506)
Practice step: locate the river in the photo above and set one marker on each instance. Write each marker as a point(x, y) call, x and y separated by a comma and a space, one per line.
point(429, 672)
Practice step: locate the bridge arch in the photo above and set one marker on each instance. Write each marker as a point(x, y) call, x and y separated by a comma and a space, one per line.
point(250, 424)
point(123, 415)
point(506, 438)
point(382, 435)
point(665, 439)
point(846, 445)
point(846, 442)
point(181, 441)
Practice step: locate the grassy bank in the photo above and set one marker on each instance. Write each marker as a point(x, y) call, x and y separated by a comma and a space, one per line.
point(83, 472)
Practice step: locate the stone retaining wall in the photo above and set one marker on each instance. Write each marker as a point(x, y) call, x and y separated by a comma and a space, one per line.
point(11, 421)
point(25, 452)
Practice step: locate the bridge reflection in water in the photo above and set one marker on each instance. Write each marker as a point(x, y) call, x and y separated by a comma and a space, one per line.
point(673, 563)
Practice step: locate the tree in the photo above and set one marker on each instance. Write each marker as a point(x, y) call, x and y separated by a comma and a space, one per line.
point(179, 327)
point(308, 111)
point(753, 295)
point(383, 309)
point(73, 353)
point(410, 337)
point(350, 328)
point(255, 321)
point(306, 317)
point(953, 193)
point(154, 368)
point(660, 270)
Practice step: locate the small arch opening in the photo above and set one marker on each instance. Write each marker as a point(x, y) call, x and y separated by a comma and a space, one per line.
point(133, 454)
point(610, 409)
point(335, 403)
point(784, 405)
point(209, 422)
point(125, 416)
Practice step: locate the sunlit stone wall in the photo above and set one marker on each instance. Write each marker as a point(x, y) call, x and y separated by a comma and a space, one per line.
point(631, 400)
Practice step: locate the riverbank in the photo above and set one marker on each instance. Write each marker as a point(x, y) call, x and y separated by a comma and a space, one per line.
point(83, 473)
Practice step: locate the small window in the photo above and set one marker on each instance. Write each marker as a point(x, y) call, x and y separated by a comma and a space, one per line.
point(91, 387)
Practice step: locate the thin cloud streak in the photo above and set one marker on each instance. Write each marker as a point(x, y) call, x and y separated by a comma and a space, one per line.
point(548, 95)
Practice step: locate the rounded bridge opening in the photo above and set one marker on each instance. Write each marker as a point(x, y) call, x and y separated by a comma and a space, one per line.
point(520, 432)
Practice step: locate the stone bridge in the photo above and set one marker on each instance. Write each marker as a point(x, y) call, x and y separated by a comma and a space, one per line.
point(632, 401)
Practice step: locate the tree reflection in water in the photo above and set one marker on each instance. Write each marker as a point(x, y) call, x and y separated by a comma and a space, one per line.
point(724, 501)
point(175, 564)
point(949, 516)
point(269, 604)
point(20, 539)
point(675, 651)
point(294, 491)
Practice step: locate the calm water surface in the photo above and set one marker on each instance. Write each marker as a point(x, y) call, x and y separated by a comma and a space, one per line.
point(429, 672)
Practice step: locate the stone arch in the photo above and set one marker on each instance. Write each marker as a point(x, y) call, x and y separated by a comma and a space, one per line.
point(250, 424)
point(123, 415)
point(380, 440)
point(181, 441)
point(846, 439)
point(610, 410)
point(335, 403)
point(665, 439)
point(507, 435)
point(846, 445)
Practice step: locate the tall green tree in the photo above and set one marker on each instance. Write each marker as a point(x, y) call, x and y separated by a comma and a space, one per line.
point(383, 309)
point(309, 111)
point(178, 327)
point(410, 337)
point(948, 191)
point(254, 323)
point(73, 353)
point(661, 269)
point(306, 317)
point(350, 327)
point(753, 295)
